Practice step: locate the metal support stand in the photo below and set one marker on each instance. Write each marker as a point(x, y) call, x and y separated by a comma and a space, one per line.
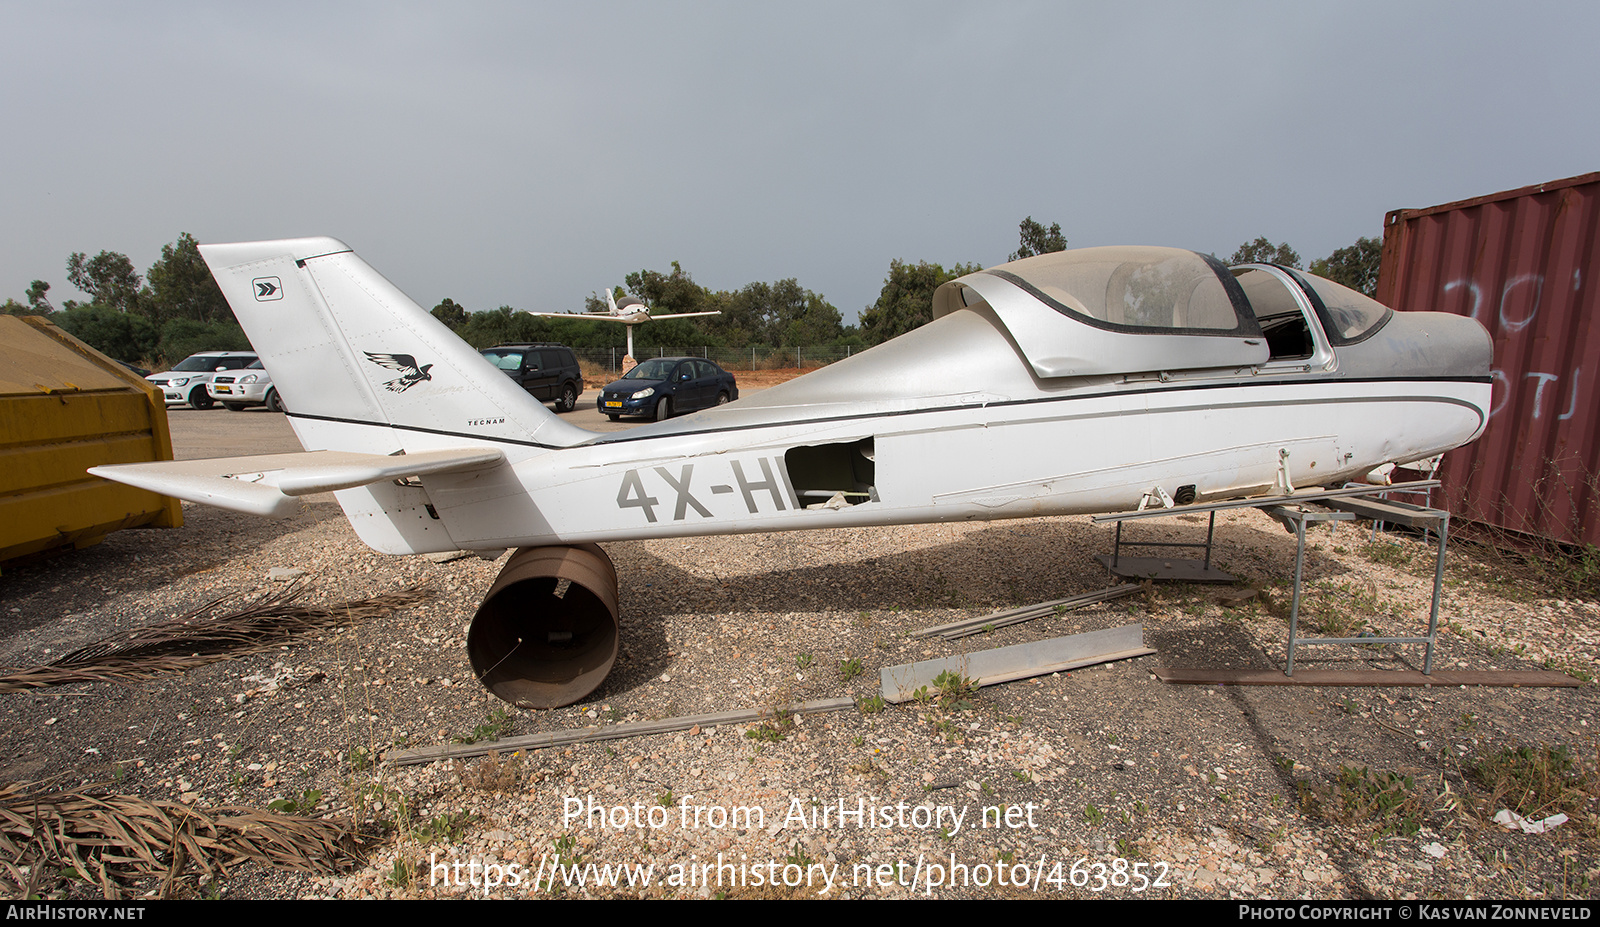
point(1183, 570)
point(1195, 571)
point(1349, 502)
point(1295, 518)
point(1425, 495)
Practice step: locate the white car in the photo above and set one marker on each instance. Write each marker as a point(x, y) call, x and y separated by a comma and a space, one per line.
point(189, 380)
point(251, 386)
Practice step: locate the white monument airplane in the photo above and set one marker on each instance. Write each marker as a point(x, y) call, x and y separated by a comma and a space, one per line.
point(630, 312)
point(1074, 382)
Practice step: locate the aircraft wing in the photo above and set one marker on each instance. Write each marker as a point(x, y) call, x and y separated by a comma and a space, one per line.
point(270, 484)
point(595, 316)
point(616, 318)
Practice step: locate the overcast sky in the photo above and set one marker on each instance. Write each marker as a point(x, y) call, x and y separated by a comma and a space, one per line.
point(529, 154)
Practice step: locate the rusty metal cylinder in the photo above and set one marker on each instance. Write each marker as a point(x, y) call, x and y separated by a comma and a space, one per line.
point(546, 634)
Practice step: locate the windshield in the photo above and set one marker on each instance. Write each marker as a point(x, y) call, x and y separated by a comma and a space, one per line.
point(1347, 315)
point(199, 362)
point(505, 360)
point(656, 368)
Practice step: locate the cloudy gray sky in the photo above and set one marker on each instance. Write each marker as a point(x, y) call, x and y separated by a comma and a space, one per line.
point(528, 154)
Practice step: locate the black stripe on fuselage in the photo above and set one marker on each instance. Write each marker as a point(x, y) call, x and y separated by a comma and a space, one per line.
point(626, 437)
point(426, 431)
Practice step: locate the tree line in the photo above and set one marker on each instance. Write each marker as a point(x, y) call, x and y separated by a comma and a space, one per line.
point(779, 314)
point(1355, 266)
point(176, 309)
point(784, 314)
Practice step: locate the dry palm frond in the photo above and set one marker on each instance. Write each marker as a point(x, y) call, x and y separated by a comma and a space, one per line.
point(108, 840)
point(201, 637)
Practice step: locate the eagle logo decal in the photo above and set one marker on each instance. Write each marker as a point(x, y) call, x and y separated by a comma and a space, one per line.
point(410, 373)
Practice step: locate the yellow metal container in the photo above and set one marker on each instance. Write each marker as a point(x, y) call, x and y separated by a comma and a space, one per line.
point(65, 407)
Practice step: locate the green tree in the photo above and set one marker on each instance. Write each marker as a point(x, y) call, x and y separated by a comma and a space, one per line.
point(1035, 239)
point(181, 286)
point(182, 337)
point(780, 313)
point(777, 313)
point(743, 319)
point(108, 278)
point(672, 335)
point(1355, 266)
point(816, 322)
point(581, 334)
point(122, 335)
point(1262, 251)
point(669, 293)
point(450, 313)
point(801, 317)
point(37, 300)
point(490, 327)
point(906, 300)
point(12, 307)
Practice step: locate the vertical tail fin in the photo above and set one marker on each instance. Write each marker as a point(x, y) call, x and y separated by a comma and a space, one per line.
point(360, 365)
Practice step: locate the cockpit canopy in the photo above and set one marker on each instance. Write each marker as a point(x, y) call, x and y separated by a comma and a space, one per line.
point(1154, 290)
point(1128, 309)
point(1072, 312)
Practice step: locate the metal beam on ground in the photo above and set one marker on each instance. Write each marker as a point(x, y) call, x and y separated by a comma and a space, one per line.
point(968, 626)
point(1342, 677)
point(405, 757)
point(1019, 661)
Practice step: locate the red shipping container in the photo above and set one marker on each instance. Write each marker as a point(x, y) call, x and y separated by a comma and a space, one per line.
point(1522, 263)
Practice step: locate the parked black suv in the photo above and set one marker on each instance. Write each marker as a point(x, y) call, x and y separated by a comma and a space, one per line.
point(549, 372)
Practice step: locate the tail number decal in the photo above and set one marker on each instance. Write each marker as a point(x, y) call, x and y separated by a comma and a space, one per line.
point(772, 484)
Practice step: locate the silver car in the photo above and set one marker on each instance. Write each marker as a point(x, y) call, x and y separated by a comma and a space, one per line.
point(251, 386)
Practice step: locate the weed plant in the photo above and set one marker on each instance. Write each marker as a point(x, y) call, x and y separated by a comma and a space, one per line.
point(496, 726)
point(1385, 800)
point(1537, 781)
point(777, 720)
point(493, 773)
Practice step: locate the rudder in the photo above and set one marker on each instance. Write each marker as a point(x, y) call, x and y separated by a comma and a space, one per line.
point(351, 355)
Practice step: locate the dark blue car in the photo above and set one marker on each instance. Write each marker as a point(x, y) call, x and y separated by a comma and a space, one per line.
point(662, 387)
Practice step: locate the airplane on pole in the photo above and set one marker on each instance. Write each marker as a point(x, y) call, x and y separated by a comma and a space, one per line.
point(630, 312)
point(1075, 382)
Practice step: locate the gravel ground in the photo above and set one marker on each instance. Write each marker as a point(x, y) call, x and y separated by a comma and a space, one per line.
point(1102, 782)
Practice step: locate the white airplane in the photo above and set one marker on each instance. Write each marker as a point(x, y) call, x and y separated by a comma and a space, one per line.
point(1075, 382)
point(630, 312)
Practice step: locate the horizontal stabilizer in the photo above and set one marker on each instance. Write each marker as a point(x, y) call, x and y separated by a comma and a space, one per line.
point(270, 484)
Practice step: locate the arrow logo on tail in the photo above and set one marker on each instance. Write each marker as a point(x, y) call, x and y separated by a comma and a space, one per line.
point(267, 288)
